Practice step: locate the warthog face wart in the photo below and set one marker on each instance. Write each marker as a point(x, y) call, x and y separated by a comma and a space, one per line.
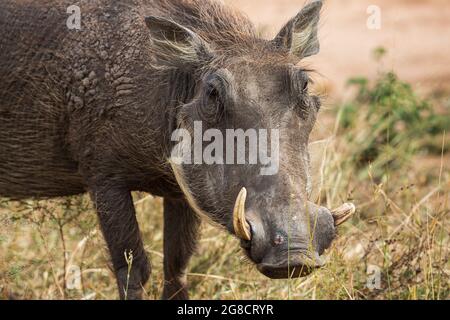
point(257, 87)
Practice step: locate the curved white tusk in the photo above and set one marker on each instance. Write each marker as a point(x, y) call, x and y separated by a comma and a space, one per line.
point(240, 224)
point(343, 213)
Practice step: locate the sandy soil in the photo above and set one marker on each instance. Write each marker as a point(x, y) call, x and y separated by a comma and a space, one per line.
point(416, 34)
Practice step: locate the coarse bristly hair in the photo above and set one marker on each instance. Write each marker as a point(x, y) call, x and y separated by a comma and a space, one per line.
point(213, 21)
point(229, 34)
point(227, 31)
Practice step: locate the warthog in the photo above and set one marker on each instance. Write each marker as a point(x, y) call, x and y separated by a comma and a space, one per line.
point(93, 110)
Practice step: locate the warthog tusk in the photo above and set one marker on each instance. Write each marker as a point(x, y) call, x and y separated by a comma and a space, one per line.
point(343, 213)
point(240, 224)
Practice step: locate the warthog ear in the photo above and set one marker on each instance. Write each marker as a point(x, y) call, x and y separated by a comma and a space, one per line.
point(299, 35)
point(174, 44)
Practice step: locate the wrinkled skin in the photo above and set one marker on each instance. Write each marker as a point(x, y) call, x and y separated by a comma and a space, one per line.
point(280, 216)
point(93, 111)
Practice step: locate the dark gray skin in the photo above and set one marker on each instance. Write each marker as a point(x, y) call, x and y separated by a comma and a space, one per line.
point(93, 111)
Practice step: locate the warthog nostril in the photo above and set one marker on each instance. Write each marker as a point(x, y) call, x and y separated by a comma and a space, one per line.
point(279, 239)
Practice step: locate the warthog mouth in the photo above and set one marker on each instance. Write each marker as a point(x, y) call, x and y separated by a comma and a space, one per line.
point(285, 272)
point(295, 268)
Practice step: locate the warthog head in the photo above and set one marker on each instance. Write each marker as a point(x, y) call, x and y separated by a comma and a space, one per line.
point(241, 148)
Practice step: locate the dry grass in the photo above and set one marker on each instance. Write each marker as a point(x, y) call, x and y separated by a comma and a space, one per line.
point(401, 227)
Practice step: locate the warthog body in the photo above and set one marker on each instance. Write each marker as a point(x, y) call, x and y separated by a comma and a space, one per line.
point(93, 110)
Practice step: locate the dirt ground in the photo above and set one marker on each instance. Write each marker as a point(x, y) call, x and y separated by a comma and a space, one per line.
point(416, 34)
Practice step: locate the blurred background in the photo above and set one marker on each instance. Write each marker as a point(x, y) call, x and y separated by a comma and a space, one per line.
point(415, 34)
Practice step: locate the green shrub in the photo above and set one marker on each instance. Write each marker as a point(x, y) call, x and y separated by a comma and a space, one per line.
point(386, 123)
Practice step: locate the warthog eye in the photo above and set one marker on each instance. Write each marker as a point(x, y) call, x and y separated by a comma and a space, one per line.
point(298, 83)
point(213, 102)
point(305, 86)
point(217, 96)
point(212, 92)
point(303, 82)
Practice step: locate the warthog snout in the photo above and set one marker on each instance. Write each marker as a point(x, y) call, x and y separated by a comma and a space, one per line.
point(287, 243)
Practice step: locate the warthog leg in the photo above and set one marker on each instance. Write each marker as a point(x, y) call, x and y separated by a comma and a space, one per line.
point(181, 226)
point(120, 229)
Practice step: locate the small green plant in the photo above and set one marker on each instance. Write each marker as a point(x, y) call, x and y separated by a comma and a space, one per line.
point(397, 123)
